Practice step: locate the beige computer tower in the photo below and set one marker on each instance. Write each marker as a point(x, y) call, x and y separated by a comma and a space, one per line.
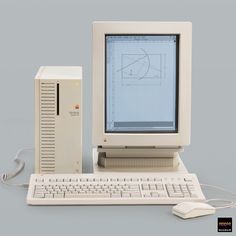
point(58, 120)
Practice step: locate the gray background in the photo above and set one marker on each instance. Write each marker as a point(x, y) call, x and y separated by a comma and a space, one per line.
point(35, 33)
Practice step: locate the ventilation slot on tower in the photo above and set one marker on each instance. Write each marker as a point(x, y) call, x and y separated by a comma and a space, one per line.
point(48, 109)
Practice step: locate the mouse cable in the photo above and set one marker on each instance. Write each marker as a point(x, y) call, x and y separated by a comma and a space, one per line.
point(224, 203)
point(4, 178)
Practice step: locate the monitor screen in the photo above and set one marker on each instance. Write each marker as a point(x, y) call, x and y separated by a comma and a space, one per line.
point(141, 84)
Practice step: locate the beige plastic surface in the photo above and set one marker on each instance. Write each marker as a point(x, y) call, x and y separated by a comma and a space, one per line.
point(180, 169)
point(58, 137)
point(182, 138)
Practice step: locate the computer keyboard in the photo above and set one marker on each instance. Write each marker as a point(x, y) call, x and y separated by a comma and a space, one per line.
point(118, 189)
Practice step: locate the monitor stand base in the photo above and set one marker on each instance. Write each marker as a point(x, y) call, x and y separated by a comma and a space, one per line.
point(180, 167)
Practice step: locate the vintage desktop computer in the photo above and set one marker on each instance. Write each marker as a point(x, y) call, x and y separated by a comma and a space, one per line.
point(140, 121)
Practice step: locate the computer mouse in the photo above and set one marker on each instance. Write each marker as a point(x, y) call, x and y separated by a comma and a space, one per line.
point(188, 210)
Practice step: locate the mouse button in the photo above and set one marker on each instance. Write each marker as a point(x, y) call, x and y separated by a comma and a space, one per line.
point(184, 207)
point(205, 205)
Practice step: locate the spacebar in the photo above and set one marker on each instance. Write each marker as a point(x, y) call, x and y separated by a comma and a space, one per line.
point(87, 195)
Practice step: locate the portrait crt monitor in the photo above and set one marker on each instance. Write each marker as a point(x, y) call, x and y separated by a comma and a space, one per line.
point(141, 84)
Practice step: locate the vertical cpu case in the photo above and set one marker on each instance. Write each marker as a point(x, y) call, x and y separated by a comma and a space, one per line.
point(58, 120)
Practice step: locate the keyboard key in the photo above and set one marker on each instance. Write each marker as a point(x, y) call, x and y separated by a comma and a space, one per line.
point(173, 194)
point(58, 195)
point(38, 190)
point(154, 194)
point(134, 186)
point(152, 186)
point(59, 180)
point(150, 179)
point(121, 179)
point(83, 180)
point(66, 180)
point(159, 187)
point(186, 179)
point(39, 195)
point(104, 179)
point(48, 195)
point(127, 179)
point(125, 195)
point(70, 195)
point(134, 179)
point(116, 195)
point(135, 194)
point(104, 195)
point(144, 179)
point(73, 179)
point(39, 180)
point(145, 186)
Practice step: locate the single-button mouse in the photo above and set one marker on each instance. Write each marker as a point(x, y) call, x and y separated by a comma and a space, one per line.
point(188, 210)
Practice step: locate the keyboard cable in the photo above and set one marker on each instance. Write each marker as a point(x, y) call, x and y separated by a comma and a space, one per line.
point(5, 177)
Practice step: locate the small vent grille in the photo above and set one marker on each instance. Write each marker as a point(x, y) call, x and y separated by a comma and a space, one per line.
point(47, 126)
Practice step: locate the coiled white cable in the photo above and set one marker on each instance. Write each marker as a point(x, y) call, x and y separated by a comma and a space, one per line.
point(20, 166)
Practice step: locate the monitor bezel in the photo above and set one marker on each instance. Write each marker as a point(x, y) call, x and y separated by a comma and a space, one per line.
point(182, 137)
point(176, 88)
